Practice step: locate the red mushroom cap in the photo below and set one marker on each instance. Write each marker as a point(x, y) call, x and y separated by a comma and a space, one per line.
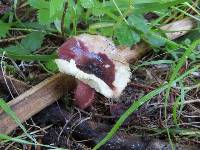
point(95, 61)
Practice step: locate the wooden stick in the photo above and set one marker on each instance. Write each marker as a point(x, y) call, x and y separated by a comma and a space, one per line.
point(50, 90)
point(181, 27)
point(15, 86)
point(34, 100)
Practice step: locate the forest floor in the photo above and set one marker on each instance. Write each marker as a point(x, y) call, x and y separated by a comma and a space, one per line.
point(145, 116)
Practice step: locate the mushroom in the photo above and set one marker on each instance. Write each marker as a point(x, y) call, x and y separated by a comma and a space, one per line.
point(96, 64)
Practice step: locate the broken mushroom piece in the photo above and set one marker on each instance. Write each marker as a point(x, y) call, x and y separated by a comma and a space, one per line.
point(95, 62)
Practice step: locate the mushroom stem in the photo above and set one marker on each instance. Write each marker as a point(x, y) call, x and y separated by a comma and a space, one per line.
point(83, 95)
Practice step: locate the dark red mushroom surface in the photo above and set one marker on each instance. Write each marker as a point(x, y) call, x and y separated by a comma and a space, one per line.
point(94, 61)
point(88, 61)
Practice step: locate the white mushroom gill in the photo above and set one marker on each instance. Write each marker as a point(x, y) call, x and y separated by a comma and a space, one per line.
point(122, 76)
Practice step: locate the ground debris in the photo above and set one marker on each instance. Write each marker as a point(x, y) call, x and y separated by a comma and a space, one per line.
point(68, 130)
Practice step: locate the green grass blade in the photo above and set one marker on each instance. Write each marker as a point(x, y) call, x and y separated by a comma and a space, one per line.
point(6, 138)
point(175, 107)
point(18, 140)
point(175, 72)
point(155, 6)
point(157, 62)
point(124, 116)
point(12, 114)
point(182, 96)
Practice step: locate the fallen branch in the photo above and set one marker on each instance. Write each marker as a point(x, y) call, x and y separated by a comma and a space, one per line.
point(179, 28)
point(50, 90)
point(13, 85)
point(34, 100)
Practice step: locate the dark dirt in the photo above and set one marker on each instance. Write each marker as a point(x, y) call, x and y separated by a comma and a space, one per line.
point(79, 133)
point(83, 129)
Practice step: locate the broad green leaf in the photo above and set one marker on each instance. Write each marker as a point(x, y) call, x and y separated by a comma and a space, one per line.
point(98, 9)
point(70, 17)
point(51, 66)
point(105, 28)
point(87, 3)
point(125, 35)
point(43, 16)
point(154, 39)
point(108, 31)
point(56, 6)
point(31, 57)
point(32, 41)
point(138, 21)
point(101, 25)
point(29, 44)
point(123, 5)
point(149, 1)
point(18, 49)
point(195, 55)
point(36, 25)
point(57, 24)
point(80, 11)
point(67, 20)
point(38, 4)
point(27, 57)
point(4, 28)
